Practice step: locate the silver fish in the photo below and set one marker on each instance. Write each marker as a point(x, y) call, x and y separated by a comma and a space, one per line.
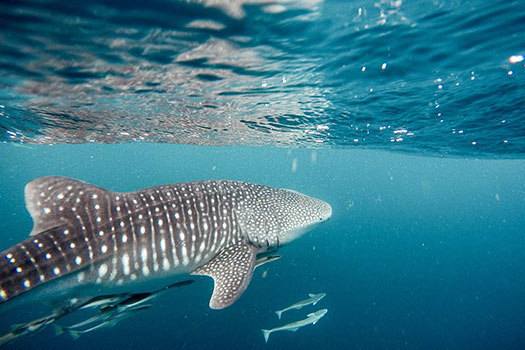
point(266, 259)
point(313, 299)
point(32, 327)
point(103, 301)
point(311, 318)
point(113, 317)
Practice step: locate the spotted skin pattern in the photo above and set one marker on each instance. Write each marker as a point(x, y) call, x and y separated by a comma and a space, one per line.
point(214, 228)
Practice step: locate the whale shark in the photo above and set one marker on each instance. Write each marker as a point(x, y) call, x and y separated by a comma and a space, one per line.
point(87, 241)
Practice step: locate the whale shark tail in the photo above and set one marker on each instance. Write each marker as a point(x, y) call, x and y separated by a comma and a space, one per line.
point(279, 313)
point(266, 334)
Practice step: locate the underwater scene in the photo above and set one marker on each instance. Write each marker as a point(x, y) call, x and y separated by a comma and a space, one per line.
point(262, 174)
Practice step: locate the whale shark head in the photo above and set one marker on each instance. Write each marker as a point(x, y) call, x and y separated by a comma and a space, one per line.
point(273, 216)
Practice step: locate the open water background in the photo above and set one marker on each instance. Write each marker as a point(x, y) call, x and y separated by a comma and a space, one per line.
point(407, 117)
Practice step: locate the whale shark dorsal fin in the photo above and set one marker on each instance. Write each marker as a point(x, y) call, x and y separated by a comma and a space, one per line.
point(231, 271)
point(312, 295)
point(50, 200)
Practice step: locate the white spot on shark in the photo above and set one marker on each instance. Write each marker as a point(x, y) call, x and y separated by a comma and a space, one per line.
point(81, 276)
point(102, 270)
point(165, 264)
point(125, 264)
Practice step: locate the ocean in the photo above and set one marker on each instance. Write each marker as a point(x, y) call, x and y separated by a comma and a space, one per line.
point(407, 118)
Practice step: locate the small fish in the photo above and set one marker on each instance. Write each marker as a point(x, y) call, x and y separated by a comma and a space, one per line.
point(313, 299)
point(20, 330)
point(311, 319)
point(115, 318)
point(266, 259)
point(104, 301)
point(136, 299)
point(110, 305)
point(105, 314)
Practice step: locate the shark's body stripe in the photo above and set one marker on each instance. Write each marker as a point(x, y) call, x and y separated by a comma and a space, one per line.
point(31, 259)
point(170, 244)
point(134, 236)
point(150, 232)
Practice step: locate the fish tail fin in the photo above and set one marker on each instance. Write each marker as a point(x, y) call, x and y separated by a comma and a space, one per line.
point(74, 334)
point(16, 326)
point(279, 313)
point(59, 329)
point(266, 334)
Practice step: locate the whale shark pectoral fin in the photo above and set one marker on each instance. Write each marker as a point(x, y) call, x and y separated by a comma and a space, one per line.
point(231, 271)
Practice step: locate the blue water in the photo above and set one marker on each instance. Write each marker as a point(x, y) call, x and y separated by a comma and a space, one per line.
point(420, 252)
point(407, 117)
